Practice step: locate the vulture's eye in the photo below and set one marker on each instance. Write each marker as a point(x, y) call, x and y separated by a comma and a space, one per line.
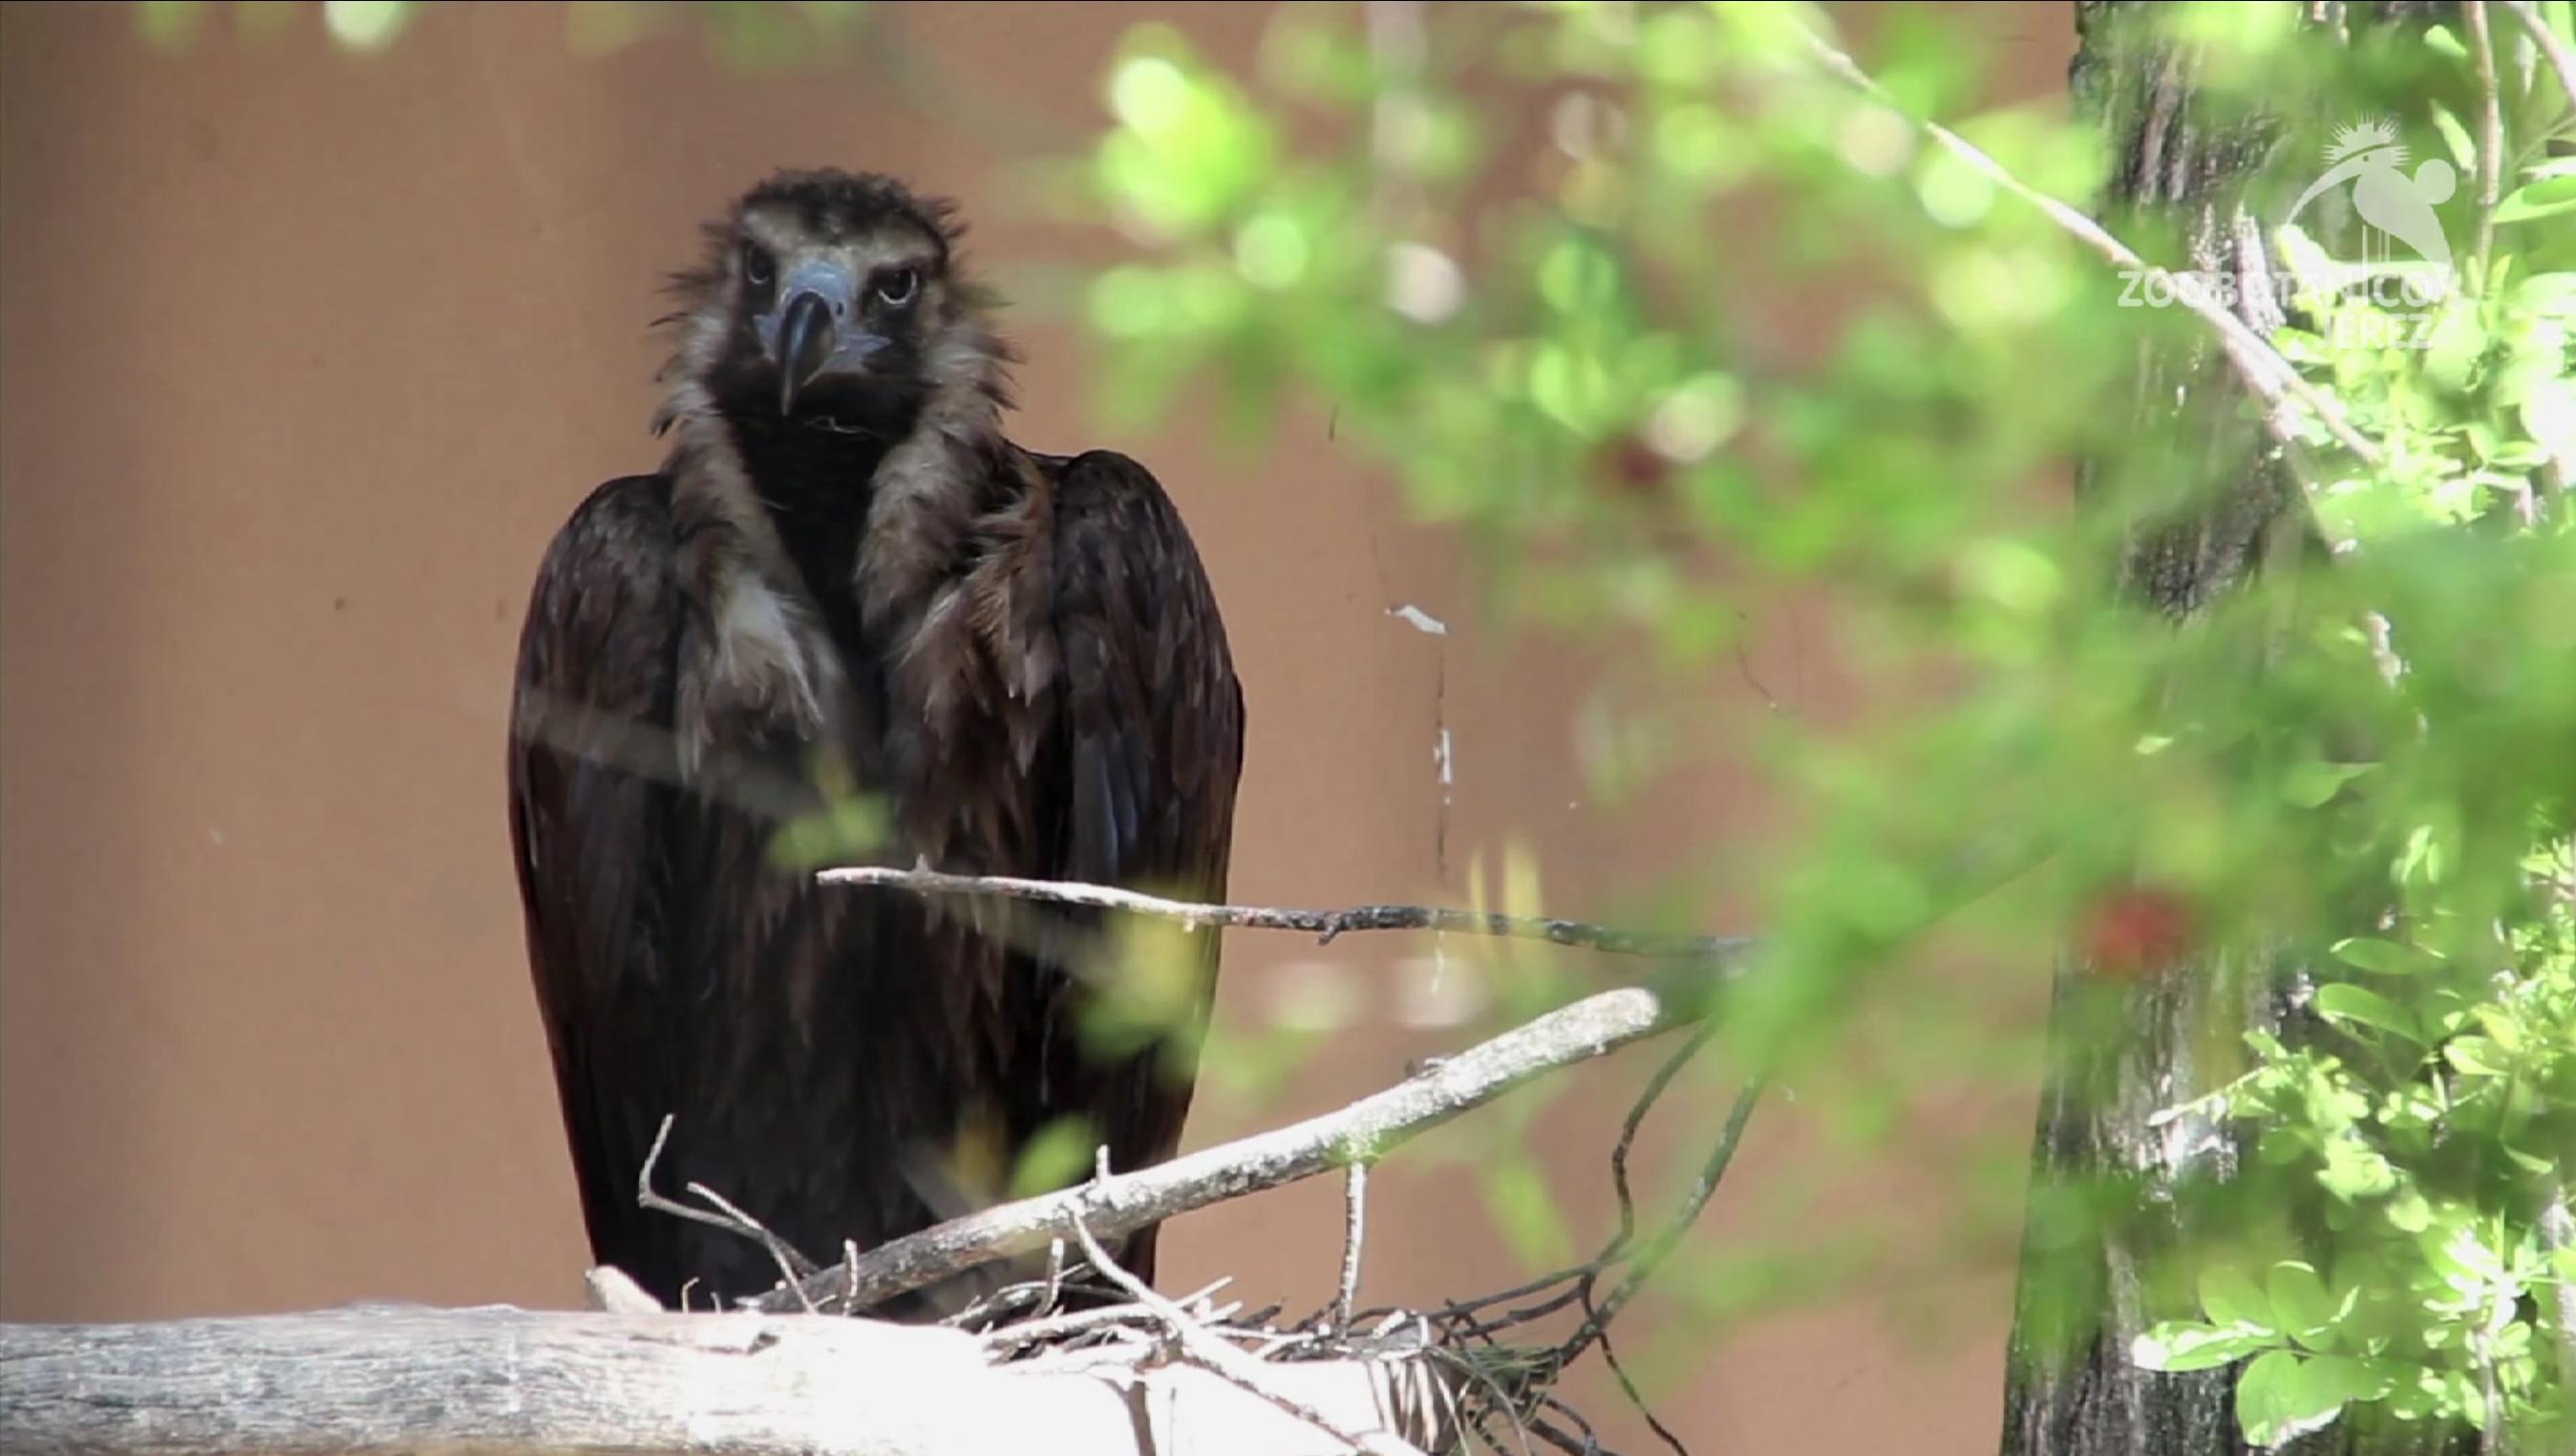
point(896, 287)
point(756, 269)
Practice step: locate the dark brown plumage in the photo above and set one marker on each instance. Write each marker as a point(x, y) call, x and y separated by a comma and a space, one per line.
point(845, 574)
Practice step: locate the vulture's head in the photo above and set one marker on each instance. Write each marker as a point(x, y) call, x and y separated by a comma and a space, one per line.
point(832, 301)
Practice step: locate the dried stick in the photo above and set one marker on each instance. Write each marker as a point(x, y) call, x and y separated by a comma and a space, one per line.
point(1354, 1229)
point(793, 1267)
point(1326, 924)
point(1223, 1360)
point(1119, 1205)
point(1003, 1338)
point(2562, 59)
point(2257, 363)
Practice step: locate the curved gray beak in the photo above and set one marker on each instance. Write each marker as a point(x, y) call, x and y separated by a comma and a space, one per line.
point(814, 307)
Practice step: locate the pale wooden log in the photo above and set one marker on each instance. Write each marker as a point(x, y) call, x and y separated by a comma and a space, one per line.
point(495, 1380)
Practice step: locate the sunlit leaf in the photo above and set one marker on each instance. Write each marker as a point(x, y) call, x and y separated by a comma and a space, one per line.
point(2300, 1303)
point(2347, 1002)
point(2230, 1297)
point(2549, 197)
point(2179, 1346)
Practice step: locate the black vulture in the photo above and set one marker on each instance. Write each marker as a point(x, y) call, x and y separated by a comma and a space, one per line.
point(846, 584)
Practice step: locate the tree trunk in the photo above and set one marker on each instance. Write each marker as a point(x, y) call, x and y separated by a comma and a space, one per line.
point(2121, 1052)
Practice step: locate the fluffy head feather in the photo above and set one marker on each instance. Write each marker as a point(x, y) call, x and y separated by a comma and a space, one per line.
point(870, 220)
point(942, 392)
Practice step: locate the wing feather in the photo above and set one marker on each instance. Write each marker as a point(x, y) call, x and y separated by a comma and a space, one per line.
point(1149, 716)
point(589, 769)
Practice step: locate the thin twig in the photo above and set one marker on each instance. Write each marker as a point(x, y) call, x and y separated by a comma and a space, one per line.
point(794, 1266)
point(1083, 1321)
point(1031, 1299)
point(1223, 1360)
point(1571, 1285)
point(1645, 1103)
point(1501, 1399)
point(2490, 130)
point(2257, 363)
point(1062, 1326)
point(1326, 924)
point(1636, 1397)
point(1591, 1445)
point(1117, 1206)
point(2562, 58)
point(1535, 1371)
point(1711, 1173)
point(1354, 1228)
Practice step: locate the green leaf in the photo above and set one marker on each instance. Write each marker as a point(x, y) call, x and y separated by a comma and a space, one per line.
point(2548, 411)
point(2385, 957)
point(2465, 1397)
point(2355, 1170)
point(2281, 1395)
point(2504, 1027)
point(366, 25)
point(2545, 198)
point(2176, 1346)
point(2229, 1297)
point(169, 22)
point(2347, 1002)
point(1060, 1154)
point(2456, 344)
point(2464, 152)
point(2408, 1212)
point(2474, 1055)
point(2552, 294)
point(2328, 1382)
point(1517, 1194)
point(2274, 1403)
point(2538, 1167)
point(2423, 861)
point(2300, 1302)
point(2309, 785)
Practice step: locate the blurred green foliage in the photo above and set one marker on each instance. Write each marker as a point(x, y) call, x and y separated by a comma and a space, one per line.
point(1556, 268)
point(740, 33)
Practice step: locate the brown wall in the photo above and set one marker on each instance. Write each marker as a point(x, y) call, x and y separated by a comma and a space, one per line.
point(302, 357)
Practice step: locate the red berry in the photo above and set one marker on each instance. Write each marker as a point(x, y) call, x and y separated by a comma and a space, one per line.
point(2134, 931)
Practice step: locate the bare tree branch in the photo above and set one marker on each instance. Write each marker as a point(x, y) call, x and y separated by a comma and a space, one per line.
point(2562, 59)
point(2490, 130)
point(1326, 924)
point(2272, 378)
point(1121, 1204)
